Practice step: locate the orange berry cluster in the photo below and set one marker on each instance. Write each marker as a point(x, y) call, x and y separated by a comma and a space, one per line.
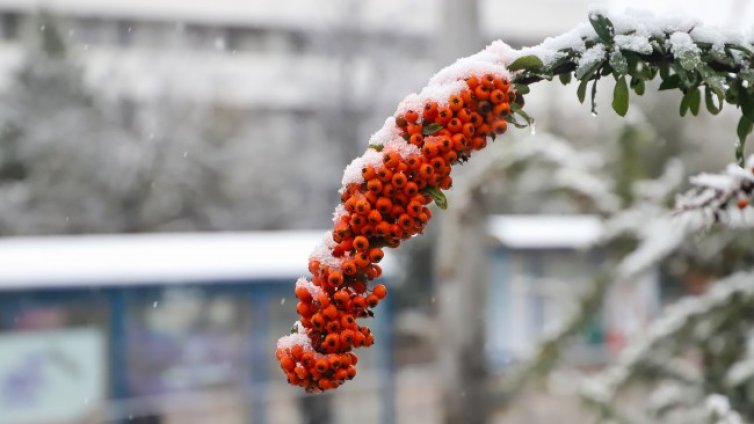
point(387, 205)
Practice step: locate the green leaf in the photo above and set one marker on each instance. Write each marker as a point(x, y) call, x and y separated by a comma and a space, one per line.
point(431, 129)
point(710, 102)
point(529, 62)
point(512, 120)
point(581, 92)
point(620, 97)
point(684, 105)
point(695, 100)
point(518, 110)
point(563, 58)
point(603, 27)
point(294, 329)
point(586, 72)
point(689, 59)
point(632, 59)
point(747, 75)
point(671, 82)
point(377, 147)
point(638, 85)
point(716, 83)
point(437, 195)
point(732, 94)
point(594, 97)
point(686, 78)
point(746, 102)
point(619, 62)
point(657, 45)
point(521, 88)
point(565, 78)
point(740, 48)
point(744, 129)
point(645, 71)
point(664, 70)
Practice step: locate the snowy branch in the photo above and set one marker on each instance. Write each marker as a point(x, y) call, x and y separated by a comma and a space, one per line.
point(690, 321)
point(576, 172)
point(721, 198)
point(634, 47)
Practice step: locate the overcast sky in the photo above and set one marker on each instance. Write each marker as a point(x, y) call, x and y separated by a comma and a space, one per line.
point(528, 21)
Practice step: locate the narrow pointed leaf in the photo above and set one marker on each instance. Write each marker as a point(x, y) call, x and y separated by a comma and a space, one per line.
point(620, 97)
point(744, 129)
point(684, 108)
point(431, 129)
point(438, 196)
point(586, 72)
point(746, 101)
point(709, 101)
point(581, 92)
point(512, 120)
point(695, 100)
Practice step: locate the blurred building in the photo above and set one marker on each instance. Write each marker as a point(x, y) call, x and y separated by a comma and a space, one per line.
point(176, 328)
point(540, 266)
point(291, 62)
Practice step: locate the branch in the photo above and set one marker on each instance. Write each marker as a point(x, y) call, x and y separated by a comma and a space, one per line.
point(733, 293)
point(635, 48)
point(721, 198)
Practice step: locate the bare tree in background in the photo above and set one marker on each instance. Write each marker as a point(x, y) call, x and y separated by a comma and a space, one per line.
point(461, 270)
point(74, 162)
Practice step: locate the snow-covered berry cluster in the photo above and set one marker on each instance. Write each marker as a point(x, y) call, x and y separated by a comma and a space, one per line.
point(385, 194)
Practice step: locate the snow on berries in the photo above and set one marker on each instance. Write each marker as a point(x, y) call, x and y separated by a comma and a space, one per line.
point(385, 196)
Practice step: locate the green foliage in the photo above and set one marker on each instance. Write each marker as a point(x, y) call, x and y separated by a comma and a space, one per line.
point(708, 73)
point(620, 96)
point(526, 62)
point(437, 195)
point(431, 129)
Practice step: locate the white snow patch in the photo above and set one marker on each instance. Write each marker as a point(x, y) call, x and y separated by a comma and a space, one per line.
point(450, 80)
point(741, 372)
point(720, 410)
point(466, 67)
point(714, 36)
point(432, 93)
point(714, 181)
point(340, 211)
point(633, 42)
point(323, 252)
point(296, 339)
point(714, 197)
point(388, 132)
point(592, 55)
point(549, 50)
point(681, 42)
point(313, 290)
point(400, 146)
point(352, 174)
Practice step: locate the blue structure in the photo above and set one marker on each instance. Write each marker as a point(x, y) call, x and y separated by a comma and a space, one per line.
point(537, 271)
point(162, 315)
